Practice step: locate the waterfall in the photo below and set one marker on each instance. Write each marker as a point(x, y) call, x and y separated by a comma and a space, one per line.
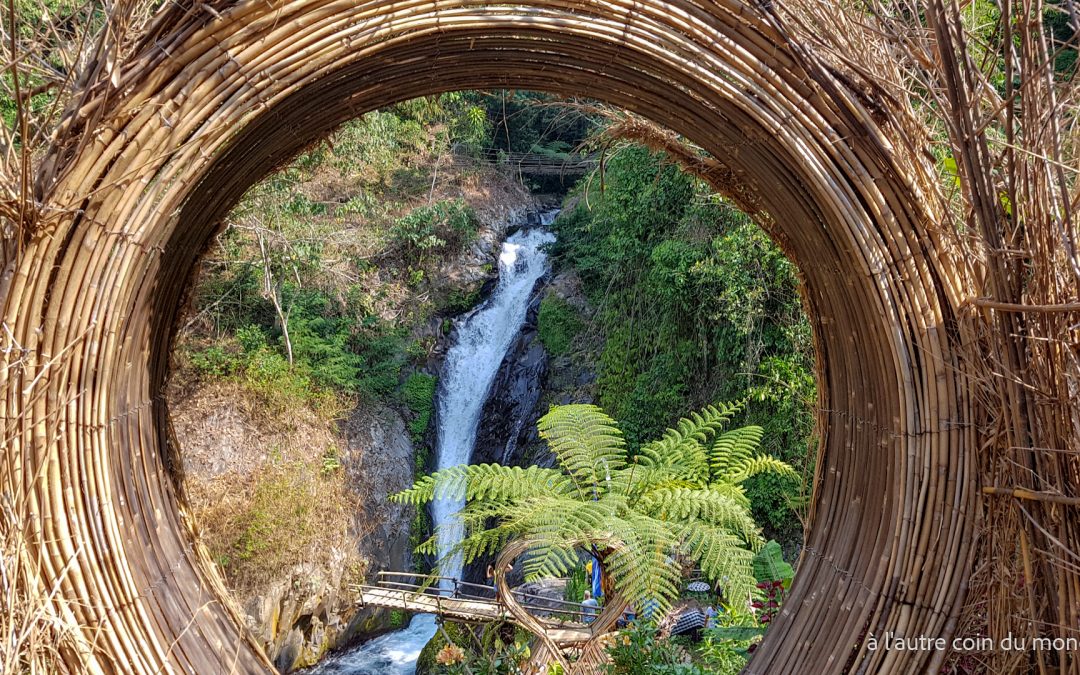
point(480, 341)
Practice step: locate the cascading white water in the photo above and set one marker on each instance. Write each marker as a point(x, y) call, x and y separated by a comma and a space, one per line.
point(481, 340)
point(470, 368)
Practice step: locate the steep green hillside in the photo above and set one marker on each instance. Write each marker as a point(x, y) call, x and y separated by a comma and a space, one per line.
point(694, 304)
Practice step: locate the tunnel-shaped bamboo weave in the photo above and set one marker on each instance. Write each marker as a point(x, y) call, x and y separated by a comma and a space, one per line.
point(216, 99)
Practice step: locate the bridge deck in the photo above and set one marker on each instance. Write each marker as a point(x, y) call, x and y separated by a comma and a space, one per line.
point(411, 598)
point(539, 164)
point(463, 608)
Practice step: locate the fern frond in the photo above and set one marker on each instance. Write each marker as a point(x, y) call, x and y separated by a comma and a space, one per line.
point(715, 506)
point(685, 444)
point(643, 566)
point(558, 518)
point(721, 556)
point(429, 546)
point(638, 480)
point(731, 449)
point(549, 562)
point(484, 481)
point(586, 443)
point(482, 543)
point(494, 481)
point(753, 466)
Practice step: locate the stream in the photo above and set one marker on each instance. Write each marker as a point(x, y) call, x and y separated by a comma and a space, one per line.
point(480, 341)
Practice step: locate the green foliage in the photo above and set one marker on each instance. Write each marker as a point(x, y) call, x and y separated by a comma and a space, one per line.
point(638, 650)
point(458, 301)
point(397, 618)
point(374, 146)
point(47, 35)
point(331, 460)
point(576, 584)
point(321, 342)
point(215, 361)
point(442, 226)
point(695, 304)
point(640, 512)
point(558, 323)
point(333, 353)
point(419, 395)
point(769, 565)
point(726, 650)
point(525, 121)
point(489, 649)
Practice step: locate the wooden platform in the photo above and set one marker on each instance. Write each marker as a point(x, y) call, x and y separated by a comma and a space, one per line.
point(466, 608)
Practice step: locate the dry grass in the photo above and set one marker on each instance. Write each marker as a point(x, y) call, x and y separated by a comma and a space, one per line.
point(32, 630)
point(265, 485)
point(281, 519)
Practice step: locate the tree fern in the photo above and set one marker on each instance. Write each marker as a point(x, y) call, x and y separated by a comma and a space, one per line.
point(680, 497)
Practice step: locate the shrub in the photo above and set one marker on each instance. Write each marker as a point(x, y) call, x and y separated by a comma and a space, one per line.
point(445, 225)
point(251, 338)
point(558, 323)
point(638, 649)
point(487, 649)
point(576, 585)
point(460, 300)
point(215, 361)
point(281, 388)
point(419, 394)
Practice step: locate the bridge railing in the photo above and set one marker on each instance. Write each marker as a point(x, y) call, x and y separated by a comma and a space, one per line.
point(429, 585)
point(529, 162)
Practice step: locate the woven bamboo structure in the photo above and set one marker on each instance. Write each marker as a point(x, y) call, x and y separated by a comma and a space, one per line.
point(945, 328)
point(549, 650)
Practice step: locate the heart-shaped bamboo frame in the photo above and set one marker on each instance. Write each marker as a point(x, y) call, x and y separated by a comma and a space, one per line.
point(613, 609)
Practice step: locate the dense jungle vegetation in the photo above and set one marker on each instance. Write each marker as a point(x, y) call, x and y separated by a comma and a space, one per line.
point(694, 305)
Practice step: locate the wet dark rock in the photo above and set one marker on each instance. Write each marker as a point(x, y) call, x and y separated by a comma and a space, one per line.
point(508, 422)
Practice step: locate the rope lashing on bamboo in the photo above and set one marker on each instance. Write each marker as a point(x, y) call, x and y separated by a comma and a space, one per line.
point(217, 98)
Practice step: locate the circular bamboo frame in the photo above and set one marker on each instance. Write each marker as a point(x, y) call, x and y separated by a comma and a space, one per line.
point(552, 652)
point(217, 98)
